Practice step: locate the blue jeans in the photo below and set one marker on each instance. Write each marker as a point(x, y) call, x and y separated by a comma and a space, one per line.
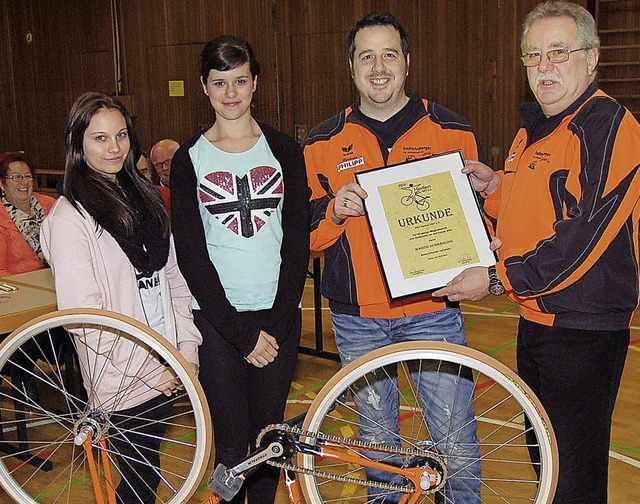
point(448, 413)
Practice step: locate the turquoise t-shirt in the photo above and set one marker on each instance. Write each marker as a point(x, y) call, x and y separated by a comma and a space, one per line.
point(240, 198)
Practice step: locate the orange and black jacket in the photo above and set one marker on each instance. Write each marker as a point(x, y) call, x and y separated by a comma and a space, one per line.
point(334, 151)
point(567, 212)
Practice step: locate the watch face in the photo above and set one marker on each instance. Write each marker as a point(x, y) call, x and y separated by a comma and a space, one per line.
point(495, 285)
point(496, 289)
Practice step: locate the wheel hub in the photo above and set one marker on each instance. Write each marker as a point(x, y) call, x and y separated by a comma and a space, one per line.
point(94, 423)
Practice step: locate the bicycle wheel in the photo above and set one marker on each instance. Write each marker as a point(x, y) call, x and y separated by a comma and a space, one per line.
point(52, 397)
point(511, 425)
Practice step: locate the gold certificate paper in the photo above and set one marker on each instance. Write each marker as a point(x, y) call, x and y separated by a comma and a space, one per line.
point(429, 229)
point(426, 223)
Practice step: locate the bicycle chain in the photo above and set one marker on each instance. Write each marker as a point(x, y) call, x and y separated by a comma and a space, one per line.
point(320, 436)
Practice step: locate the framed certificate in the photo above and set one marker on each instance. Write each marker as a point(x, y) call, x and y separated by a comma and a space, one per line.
point(426, 223)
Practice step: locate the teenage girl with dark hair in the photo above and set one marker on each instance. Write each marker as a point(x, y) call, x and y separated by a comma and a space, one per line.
point(240, 218)
point(108, 243)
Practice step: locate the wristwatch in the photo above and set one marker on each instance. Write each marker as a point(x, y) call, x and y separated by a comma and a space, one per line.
point(495, 285)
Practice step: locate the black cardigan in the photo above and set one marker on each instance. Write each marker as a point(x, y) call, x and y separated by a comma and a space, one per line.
point(200, 273)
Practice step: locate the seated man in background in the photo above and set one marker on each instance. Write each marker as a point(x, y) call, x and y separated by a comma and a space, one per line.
point(161, 155)
point(145, 167)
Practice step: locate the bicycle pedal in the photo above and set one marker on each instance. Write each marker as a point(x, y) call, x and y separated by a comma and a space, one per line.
point(224, 483)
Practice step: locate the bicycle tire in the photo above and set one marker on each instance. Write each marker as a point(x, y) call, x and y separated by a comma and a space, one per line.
point(49, 466)
point(501, 398)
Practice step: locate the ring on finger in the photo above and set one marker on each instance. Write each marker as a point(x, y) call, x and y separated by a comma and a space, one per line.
point(344, 202)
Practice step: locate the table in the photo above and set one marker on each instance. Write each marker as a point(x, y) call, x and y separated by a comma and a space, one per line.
point(316, 275)
point(35, 296)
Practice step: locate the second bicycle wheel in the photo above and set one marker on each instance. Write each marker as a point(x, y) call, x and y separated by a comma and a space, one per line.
point(512, 427)
point(63, 382)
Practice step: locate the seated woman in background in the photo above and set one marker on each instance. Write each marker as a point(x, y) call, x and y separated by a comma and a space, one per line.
point(21, 214)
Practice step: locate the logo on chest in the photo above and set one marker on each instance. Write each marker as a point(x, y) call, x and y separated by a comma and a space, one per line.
point(348, 159)
point(351, 163)
point(413, 152)
point(538, 158)
point(242, 204)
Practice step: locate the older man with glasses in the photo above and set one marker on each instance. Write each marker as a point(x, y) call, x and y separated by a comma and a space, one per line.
point(566, 207)
point(161, 155)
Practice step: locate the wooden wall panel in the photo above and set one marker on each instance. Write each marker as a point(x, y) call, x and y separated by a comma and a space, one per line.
point(64, 58)
point(321, 82)
point(472, 49)
point(170, 115)
point(162, 41)
point(619, 67)
point(9, 132)
point(464, 55)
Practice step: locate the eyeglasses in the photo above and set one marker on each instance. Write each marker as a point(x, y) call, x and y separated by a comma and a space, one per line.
point(20, 178)
point(161, 164)
point(554, 56)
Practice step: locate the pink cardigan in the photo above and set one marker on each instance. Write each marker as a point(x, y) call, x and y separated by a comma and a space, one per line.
point(91, 270)
point(16, 255)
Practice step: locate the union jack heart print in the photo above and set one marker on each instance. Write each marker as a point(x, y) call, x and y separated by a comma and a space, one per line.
point(243, 204)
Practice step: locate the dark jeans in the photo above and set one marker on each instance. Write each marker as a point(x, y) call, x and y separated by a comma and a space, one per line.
point(138, 454)
point(244, 399)
point(576, 375)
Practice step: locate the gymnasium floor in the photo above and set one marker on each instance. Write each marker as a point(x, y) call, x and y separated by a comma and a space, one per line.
point(491, 326)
